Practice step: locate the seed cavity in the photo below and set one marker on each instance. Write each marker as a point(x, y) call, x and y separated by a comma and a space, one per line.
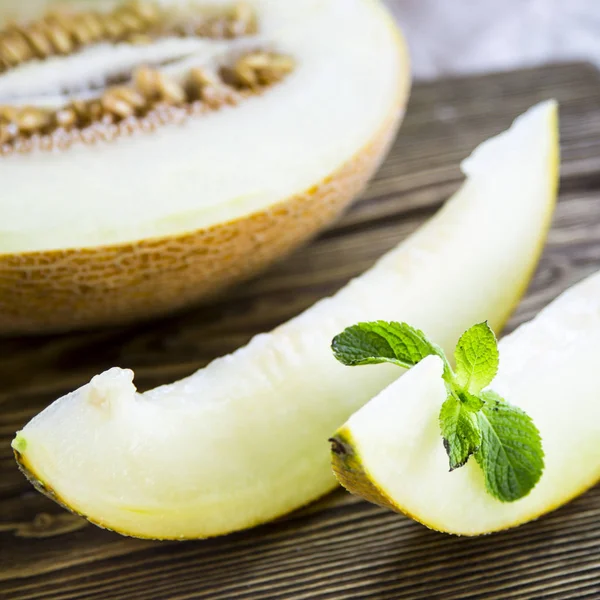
point(152, 98)
point(137, 22)
point(125, 103)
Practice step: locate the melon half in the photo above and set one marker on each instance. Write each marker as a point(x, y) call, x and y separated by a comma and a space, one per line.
point(113, 216)
point(244, 440)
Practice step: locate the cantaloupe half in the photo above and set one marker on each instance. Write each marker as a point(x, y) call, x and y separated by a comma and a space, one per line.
point(244, 440)
point(125, 218)
point(391, 451)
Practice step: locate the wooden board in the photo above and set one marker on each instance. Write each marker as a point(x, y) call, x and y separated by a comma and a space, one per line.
point(340, 548)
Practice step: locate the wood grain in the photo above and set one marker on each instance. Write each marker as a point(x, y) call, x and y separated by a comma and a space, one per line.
point(339, 548)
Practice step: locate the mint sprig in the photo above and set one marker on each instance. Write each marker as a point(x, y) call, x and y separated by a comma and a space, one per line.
point(474, 421)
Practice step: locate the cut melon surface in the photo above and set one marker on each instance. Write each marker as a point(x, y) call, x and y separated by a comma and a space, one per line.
point(391, 453)
point(351, 76)
point(120, 217)
point(244, 440)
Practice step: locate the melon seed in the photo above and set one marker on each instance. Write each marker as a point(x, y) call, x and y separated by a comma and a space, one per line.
point(8, 113)
point(80, 31)
point(131, 21)
point(37, 40)
point(15, 46)
point(113, 27)
point(66, 118)
point(130, 96)
point(150, 13)
point(170, 91)
point(30, 119)
point(207, 87)
point(93, 23)
point(145, 81)
point(116, 106)
point(243, 20)
point(58, 37)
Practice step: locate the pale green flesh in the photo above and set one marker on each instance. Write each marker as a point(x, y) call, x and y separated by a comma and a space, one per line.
point(549, 368)
point(245, 439)
point(350, 79)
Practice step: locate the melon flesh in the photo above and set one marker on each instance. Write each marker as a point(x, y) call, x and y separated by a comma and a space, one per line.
point(244, 440)
point(350, 82)
point(548, 367)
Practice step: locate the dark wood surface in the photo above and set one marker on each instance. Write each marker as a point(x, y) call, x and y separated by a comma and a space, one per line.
point(339, 548)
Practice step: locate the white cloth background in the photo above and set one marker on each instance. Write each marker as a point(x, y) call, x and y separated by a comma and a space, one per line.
point(471, 36)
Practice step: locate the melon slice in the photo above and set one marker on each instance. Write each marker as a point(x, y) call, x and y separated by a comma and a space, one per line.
point(154, 153)
point(391, 453)
point(244, 440)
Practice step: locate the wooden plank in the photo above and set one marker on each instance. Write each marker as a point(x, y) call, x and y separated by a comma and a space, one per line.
point(340, 547)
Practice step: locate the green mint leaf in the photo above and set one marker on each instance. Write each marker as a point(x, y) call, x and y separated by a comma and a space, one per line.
point(460, 431)
point(382, 341)
point(476, 357)
point(473, 403)
point(511, 454)
point(503, 438)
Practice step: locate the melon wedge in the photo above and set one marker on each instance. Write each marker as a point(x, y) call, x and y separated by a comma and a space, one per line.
point(244, 440)
point(121, 217)
point(391, 453)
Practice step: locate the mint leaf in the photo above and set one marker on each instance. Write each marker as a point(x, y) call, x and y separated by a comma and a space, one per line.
point(476, 357)
point(503, 439)
point(511, 453)
point(460, 431)
point(380, 341)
